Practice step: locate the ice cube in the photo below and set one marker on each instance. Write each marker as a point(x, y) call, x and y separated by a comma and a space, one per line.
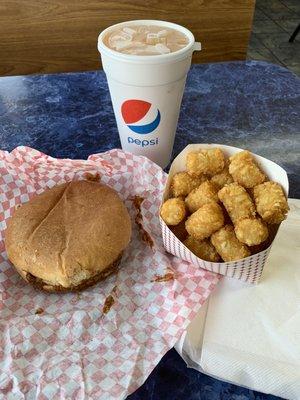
point(134, 48)
point(129, 31)
point(117, 38)
point(151, 49)
point(143, 29)
point(122, 45)
point(162, 49)
point(124, 35)
point(152, 38)
point(162, 33)
point(163, 40)
point(113, 39)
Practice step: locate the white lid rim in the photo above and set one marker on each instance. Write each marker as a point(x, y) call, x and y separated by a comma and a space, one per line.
point(153, 59)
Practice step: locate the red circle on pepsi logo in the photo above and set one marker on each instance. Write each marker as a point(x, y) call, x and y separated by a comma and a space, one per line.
point(134, 110)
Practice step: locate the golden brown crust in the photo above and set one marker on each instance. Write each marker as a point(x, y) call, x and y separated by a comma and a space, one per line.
point(271, 202)
point(202, 249)
point(207, 192)
point(237, 202)
point(223, 209)
point(227, 244)
point(173, 211)
point(245, 170)
point(222, 178)
point(208, 162)
point(205, 221)
point(251, 231)
point(183, 183)
point(68, 234)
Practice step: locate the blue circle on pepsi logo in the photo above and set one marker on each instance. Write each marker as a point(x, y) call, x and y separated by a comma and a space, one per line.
point(148, 128)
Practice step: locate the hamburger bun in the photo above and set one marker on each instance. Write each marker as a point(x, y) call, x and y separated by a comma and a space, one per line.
point(69, 237)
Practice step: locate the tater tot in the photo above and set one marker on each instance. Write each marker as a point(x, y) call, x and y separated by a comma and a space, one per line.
point(271, 203)
point(202, 223)
point(222, 178)
point(179, 230)
point(202, 249)
point(183, 183)
point(227, 244)
point(209, 162)
point(245, 171)
point(173, 211)
point(207, 192)
point(251, 231)
point(237, 202)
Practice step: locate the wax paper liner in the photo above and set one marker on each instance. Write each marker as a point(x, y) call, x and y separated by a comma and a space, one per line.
point(105, 341)
point(248, 269)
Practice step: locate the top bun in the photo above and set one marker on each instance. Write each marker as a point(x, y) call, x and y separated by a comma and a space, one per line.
point(69, 237)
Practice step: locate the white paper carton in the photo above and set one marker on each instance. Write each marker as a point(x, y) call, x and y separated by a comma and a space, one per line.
point(248, 269)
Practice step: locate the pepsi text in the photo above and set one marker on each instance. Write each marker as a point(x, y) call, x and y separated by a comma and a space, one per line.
point(143, 143)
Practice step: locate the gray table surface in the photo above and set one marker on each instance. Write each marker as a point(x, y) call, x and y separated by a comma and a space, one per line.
point(253, 105)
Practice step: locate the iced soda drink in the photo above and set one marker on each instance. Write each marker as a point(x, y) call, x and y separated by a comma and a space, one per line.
point(145, 40)
point(146, 63)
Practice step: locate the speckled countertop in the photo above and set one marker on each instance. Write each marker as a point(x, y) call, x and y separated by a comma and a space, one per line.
point(252, 105)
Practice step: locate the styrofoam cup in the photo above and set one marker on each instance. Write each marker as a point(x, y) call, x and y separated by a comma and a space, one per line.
point(153, 83)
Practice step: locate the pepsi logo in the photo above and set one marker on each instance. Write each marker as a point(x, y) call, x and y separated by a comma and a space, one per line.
point(140, 116)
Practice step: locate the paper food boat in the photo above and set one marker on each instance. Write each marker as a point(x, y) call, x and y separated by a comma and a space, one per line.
point(248, 269)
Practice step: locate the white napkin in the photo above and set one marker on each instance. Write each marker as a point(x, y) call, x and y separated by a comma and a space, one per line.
point(250, 335)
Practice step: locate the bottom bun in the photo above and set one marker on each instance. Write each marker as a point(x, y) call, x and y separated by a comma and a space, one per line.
point(42, 285)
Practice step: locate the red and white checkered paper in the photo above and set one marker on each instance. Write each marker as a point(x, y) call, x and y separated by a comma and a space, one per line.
point(71, 349)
